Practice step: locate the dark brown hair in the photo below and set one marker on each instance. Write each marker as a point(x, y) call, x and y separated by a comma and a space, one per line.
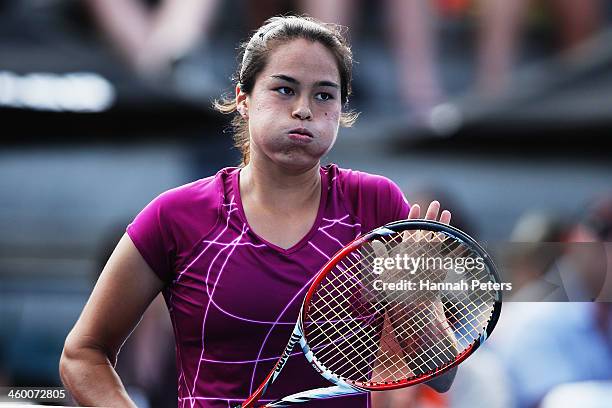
point(253, 58)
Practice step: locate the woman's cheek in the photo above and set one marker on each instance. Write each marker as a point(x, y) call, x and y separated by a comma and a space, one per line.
point(333, 120)
point(262, 117)
point(332, 115)
point(271, 112)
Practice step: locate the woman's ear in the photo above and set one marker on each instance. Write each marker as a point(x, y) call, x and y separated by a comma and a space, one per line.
point(242, 103)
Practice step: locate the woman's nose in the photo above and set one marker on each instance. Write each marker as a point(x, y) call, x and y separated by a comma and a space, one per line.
point(302, 111)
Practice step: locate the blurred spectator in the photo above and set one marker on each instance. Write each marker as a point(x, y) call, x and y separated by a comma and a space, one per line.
point(579, 272)
point(151, 39)
point(534, 246)
point(502, 20)
point(552, 344)
point(555, 344)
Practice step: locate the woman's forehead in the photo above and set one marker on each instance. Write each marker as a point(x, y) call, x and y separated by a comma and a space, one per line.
point(303, 60)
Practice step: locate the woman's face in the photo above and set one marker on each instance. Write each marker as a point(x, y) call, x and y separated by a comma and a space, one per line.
point(294, 108)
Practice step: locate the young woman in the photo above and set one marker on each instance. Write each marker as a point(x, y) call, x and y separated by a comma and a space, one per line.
point(234, 253)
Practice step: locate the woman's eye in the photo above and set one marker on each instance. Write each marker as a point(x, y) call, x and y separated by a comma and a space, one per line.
point(285, 90)
point(324, 96)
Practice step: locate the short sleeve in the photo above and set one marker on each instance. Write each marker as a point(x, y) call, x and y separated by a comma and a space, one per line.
point(151, 235)
point(169, 227)
point(374, 199)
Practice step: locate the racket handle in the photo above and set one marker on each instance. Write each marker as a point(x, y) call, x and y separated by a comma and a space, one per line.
point(295, 337)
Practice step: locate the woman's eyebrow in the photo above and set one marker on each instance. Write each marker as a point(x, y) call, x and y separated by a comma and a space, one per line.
point(295, 81)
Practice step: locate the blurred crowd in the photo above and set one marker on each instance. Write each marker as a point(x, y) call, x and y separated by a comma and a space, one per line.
point(175, 42)
point(152, 39)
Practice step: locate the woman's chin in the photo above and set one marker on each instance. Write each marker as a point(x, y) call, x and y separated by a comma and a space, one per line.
point(297, 163)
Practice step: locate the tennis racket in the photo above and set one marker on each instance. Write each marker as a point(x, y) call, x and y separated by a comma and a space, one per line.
point(396, 307)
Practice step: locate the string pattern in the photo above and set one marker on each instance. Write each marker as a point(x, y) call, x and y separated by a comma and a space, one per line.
point(371, 323)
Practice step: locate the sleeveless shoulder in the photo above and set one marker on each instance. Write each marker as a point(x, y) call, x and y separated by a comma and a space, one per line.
point(373, 199)
point(170, 225)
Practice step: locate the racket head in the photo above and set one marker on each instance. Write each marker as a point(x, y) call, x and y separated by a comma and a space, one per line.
point(371, 340)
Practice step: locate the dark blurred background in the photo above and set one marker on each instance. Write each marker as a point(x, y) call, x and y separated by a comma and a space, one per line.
point(501, 109)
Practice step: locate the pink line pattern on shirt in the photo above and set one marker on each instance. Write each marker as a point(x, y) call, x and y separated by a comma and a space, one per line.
point(211, 294)
point(230, 248)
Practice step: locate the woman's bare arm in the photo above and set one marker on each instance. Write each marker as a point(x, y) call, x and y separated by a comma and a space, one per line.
point(125, 288)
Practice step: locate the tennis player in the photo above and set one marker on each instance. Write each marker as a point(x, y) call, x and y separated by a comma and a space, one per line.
point(234, 253)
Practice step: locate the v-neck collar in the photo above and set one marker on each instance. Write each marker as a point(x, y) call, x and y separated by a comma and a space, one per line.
point(305, 238)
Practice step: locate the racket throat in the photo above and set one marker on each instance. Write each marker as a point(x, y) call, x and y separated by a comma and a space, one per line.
point(255, 396)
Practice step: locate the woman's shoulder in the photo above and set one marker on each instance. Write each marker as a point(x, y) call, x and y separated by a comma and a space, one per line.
point(170, 224)
point(372, 198)
point(357, 180)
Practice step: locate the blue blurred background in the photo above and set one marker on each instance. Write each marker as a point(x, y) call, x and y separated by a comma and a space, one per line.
point(501, 109)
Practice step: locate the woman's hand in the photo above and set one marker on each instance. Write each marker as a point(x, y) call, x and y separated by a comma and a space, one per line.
point(430, 330)
point(432, 213)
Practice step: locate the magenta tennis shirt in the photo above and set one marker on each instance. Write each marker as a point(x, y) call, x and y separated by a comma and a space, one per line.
point(233, 297)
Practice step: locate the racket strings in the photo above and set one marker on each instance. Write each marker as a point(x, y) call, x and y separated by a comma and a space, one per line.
point(484, 299)
point(423, 340)
point(359, 331)
point(367, 336)
point(351, 331)
point(427, 325)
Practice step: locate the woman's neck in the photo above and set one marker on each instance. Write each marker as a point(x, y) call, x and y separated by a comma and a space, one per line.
point(279, 189)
